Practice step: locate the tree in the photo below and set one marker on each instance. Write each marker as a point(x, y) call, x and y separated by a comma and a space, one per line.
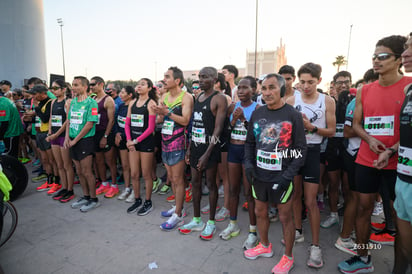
point(339, 61)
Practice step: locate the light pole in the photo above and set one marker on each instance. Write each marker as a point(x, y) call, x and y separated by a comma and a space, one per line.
point(60, 22)
point(256, 33)
point(350, 36)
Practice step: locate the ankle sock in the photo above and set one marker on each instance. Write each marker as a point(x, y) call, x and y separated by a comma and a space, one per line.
point(197, 219)
point(211, 222)
point(299, 230)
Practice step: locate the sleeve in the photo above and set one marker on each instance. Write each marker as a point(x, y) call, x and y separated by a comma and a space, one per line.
point(92, 112)
point(299, 145)
point(350, 109)
point(250, 145)
point(127, 129)
point(149, 130)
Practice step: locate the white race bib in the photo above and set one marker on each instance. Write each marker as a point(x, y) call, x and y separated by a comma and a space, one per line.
point(98, 119)
point(380, 125)
point(37, 122)
point(167, 128)
point(268, 160)
point(198, 135)
point(137, 120)
point(76, 117)
point(56, 120)
point(405, 161)
point(239, 132)
point(339, 130)
point(121, 121)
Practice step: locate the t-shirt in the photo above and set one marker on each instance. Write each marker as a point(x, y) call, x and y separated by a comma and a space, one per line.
point(353, 142)
point(404, 167)
point(9, 113)
point(79, 114)
point(275, 143)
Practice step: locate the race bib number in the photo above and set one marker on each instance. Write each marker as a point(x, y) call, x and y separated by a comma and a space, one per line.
point(268, 160)
point(121, 121)
point(380, 125)
point(405, 161)
point(339, 130)
point(56, 121)
point(137, 120)
point(167, 127)
point(239, 132)
point(198, 135)
point(76, 117)
point(37, 122)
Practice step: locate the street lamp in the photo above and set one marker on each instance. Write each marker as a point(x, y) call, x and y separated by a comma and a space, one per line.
point(256, 33)
point(60, 22)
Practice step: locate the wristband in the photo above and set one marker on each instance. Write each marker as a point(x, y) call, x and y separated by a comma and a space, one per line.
point(135, 141)
point(392, 150)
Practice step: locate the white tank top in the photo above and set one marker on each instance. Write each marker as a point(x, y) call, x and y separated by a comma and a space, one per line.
point(316, 115)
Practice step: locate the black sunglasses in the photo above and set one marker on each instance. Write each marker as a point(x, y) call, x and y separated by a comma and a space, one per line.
point(92, 84)
point(54, 88)
point(382, 56)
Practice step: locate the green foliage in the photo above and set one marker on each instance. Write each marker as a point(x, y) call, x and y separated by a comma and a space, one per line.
point(123, 83)
point(339, 61)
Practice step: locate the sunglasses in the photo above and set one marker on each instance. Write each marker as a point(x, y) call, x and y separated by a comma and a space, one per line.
point(54, 88)
point(159, 86)
point(92, 84)
point(195, 87)
point(382, 56)
point(108, 89)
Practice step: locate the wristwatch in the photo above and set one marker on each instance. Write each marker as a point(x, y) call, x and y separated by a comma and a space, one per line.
point(392, 150)
point(315, 129)
point(105, 136)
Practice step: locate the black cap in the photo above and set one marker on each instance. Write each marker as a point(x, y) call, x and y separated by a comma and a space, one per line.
point(38, 89)
point(5, 82)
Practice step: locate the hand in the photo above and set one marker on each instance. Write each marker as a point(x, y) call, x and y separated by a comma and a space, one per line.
point(376, 146)
point(130, 145)
point(306, 122)
point(202, 162)
point(2, 147)
point(118, 139)
point(69, 143)
point(51, 138)
point(250, 174)
point(187, 157)
point(103, 143)
point(238, 114)
point(382, 159)
point(282, 183)
point(161, 109)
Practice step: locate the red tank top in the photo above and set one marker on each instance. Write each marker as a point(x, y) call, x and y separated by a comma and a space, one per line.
point(381, 110)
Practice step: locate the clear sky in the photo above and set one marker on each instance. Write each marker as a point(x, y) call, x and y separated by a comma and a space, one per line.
point(131, 39)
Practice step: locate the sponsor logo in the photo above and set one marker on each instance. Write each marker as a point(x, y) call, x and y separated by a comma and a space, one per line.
point(94, 111)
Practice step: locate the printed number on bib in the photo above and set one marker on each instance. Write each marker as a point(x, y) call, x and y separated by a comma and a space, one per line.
point(57, 121)
point(380, 125)
point(167, 128)
point(268, 160)
point(198, 135)
point(37, 122)
point(137, 120)
point(239, 132)
point(76, 117)
point(121, 121)
point(405, 161)
point(339, 130)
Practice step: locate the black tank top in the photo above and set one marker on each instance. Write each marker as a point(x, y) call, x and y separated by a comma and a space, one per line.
point(404, 167)
point(103, 120)
point(203, 121)
point(139, 119)
point(58, 113)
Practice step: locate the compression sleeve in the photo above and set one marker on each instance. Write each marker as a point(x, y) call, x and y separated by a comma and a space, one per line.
point(127, 129)
point(149, 130)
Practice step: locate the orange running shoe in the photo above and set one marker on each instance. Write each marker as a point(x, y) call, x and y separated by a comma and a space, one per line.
point(55, 187)
point(245, 206)
point(383, 238)
point(171, 198)
point(188, 196)
point(44, 187)
point(113, 191)
point(102, 189)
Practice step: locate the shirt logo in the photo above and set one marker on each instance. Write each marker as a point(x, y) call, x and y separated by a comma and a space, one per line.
point(94, 111)
point(2, 113)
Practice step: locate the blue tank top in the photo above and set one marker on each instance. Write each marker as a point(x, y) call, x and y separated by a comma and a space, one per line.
point(239, 131)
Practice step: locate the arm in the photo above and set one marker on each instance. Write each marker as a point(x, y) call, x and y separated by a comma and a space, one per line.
point(250, 146)
point(330, 129)
point(110, 107)
point(50, 120)
point(152, 123)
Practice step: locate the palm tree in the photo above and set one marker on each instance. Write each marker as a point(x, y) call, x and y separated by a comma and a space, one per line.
point(340, 61)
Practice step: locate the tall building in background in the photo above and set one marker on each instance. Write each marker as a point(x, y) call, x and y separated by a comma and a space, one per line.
point(22, 41)
point(266, 61)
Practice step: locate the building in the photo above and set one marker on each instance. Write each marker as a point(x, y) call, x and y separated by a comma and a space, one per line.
point(266, 61)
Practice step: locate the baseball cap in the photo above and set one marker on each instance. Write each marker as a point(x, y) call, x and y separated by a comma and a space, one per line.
point(38, 89)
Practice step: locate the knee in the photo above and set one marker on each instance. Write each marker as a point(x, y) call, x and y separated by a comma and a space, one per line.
point(261, 212)
point(310, 203)
point(285, 217)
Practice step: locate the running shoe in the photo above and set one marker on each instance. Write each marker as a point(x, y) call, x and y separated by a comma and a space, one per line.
point(169, 213)
point(173, 222)
point(192, 226)
point(383, 237)
point(245, 206)
point(54, 188)
point(250, 241)
point(131, 198)
point(232, 230)
point(330, 221)
point(273, 214)
point(79, 203)
point(205, 190)
point(156, 185)
point(67, 197)
point(222, 214)
point(91, 204)
point(102, 189)
point(125, 193)
point(315, 257)
point(36, 163)
point(165, 190)
point(378, 209)
point(208, 232)
point(284, 266)
point(221, 192)
point(113, 191)
point(188, 194)
point(258, 251)
point(25, 160)
point(39, 178)
point(171, 199)
point(56, 196)
point(299, 238)
point(378, 226)
point(356, 265)
point(206, 209)
point(44, 187)
point(133, 208)
point(346, 246)
point(146, 208)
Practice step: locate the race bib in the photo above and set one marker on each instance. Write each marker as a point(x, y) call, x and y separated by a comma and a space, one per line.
point(167, 127)
point(121, 121)
point(380, 125)
point(268, 160)
point(37, 122)
point(198, 135)
point(56, 120)
point(339, 130)
point(405, 161)
point(76, 117)
point(239, 132)
point(137, 120)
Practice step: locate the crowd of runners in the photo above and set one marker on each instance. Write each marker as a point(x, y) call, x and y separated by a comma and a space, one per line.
point(286, 146)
